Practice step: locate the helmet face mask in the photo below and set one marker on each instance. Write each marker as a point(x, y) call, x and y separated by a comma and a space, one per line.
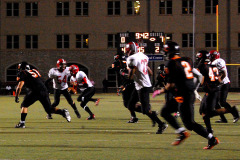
point(74, 70)
point(131, 48)
point(170, 49)
point(202, 56)
point(23, 66)
point(214, 55)
point(61, 64)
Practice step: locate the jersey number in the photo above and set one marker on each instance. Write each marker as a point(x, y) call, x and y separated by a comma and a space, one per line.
point(144, 62)
point(64, 79)
point(34, 73)
point(213, 73)
point(187, 69)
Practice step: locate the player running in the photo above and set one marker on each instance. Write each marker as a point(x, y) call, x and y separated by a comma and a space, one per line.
point(87, 94)
point(37, 91)
point(60, 76)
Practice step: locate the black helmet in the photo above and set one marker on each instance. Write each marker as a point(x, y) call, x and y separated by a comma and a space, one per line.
point(202, 56)
point(23, 65)
point(170, 49)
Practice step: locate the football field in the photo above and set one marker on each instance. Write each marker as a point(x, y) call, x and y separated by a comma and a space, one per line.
point(109, 137)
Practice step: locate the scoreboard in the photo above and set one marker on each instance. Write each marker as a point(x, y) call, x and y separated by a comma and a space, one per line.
point(149, 42)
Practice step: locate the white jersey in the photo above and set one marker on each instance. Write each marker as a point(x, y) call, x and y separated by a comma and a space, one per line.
point(80, 78)
point(73, 79)
point(221, 66)
point(59, 78)
point(141, 77)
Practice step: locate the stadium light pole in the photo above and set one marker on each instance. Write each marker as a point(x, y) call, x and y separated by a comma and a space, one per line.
point(217, 25)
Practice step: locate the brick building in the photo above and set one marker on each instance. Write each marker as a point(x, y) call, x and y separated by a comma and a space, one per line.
point(83, 32)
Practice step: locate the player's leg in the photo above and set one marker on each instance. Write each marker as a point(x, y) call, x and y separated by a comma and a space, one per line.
point(84, 98)
point(131, 99)
point(28, 100)
point(187, 114)
point(68, 97)
point(144, 100)
point(45, 101)
point(225, 104)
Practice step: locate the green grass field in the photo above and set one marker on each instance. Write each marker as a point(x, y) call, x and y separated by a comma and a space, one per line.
point(108, 137)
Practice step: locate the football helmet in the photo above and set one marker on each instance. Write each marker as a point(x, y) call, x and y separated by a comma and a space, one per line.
point(61, 64)
point(23, 65)
point(131, 48)
point(202, 56)
point(170, 49)
point(214, 55)
point(161, 68)
point(74, 69)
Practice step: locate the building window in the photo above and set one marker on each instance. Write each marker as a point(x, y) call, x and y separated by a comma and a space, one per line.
point(165, 7)
point(31, 9)
point(112, 40)
point(63, 41)
point(168, 37)
point(62, 8)
point(187, 40)
point(81, 8)
point(210, 6)
point(82, 41)
point(210, 40)
point(12, 41)
point(113, 7)
point(31, 41)
point(187, 7)
point(133, 7)
point(12, 9)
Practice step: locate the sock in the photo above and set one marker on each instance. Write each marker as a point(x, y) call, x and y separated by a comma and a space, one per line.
point(23, 116)
point(179, 130)
point(74, 106)
point(210, 135)
point(86, 108)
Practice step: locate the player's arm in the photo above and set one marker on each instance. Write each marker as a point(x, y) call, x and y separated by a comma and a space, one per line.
point(150, 72)
point(223, 74)
point(131, 72)
point(18, 90)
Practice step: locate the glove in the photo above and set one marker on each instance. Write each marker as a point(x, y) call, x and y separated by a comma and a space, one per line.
point(155, 93)
point(16, 99)
point(197, 96)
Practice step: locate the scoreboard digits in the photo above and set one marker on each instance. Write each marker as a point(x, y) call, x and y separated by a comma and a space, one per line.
point(149, 42)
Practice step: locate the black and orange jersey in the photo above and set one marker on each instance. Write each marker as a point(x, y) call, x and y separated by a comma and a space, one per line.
point(32, 80)
point(161, 80)
point(210, 73)
point(179, 71)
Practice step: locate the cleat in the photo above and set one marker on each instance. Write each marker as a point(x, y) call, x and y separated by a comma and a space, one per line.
point(133, 120)
point(236, 114)
point(91, 117)
point(221, 121)
point(20, 125)
point(77, 113)
point(162, 128)
point(49, 116)
point(67, 115)
point(97, 102)
point(182, 137)
point(176, 115)
point(212, 142)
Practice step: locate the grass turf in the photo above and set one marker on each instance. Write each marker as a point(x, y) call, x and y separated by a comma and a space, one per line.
point(107, 137)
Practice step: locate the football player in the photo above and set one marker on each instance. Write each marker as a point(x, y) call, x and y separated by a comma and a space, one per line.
point(161, 81)
point(211, 81)
point(179, 70)
point(139, 71)
point(87, 94)
point(60, 76)
point(37, 91)
point(222, 98)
